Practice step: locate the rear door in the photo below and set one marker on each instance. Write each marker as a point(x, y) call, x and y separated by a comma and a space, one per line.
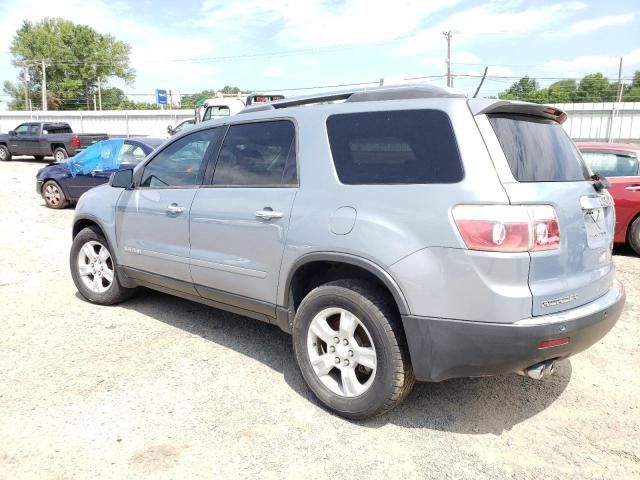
point(539, 164)
point(239, 222)
point(152, 220)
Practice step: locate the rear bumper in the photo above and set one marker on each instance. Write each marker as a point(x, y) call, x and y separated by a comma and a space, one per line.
point(442, 348)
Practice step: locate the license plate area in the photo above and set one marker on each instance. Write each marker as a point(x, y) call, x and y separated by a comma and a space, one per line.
point(596, 227)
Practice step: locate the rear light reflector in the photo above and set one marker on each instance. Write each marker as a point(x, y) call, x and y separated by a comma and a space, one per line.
point(554, 342)
point(508, 228)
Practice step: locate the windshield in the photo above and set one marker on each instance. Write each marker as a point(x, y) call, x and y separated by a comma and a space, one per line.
point(538, 149)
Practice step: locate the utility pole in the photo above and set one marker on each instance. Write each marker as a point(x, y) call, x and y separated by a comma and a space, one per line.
point(99, 95)
point(447, 35)
point(620, 81)
point(25, 74)
point(44, 86)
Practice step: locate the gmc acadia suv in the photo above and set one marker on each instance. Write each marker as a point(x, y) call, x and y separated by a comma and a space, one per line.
point(398, 233)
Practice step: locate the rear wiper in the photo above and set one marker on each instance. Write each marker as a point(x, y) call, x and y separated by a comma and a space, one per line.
point(600, 182)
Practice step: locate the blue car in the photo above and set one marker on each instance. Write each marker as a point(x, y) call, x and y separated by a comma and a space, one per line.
point(63, 183)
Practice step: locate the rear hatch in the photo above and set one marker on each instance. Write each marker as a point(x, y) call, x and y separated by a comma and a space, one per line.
point(545, 168)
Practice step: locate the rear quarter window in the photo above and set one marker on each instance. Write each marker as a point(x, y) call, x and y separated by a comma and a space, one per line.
point(394, 147)
point(538, 149)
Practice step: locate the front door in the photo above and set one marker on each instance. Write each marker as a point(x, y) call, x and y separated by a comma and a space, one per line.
point(19, 143)
point(152, 226)
point(239, 221)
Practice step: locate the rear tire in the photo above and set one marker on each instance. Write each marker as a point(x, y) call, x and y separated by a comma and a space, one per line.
point(5, 154)
point(53, 195)
point(367, 371)
point(634, 235)
point(60, 154)
point(94, 270)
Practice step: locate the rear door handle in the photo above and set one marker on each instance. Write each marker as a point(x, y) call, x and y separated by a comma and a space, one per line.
point(267, 213)
point(633, 188)
point(174, 208)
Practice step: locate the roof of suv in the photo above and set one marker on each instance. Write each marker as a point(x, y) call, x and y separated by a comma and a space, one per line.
point(393, 92)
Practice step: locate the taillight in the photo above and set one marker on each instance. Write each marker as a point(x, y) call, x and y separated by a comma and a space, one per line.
point(508, 228)
point(76, 141)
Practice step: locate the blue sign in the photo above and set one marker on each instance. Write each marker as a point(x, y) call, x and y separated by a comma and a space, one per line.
point(161, 97)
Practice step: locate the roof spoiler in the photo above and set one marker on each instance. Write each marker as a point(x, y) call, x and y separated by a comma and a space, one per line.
point(482, 107)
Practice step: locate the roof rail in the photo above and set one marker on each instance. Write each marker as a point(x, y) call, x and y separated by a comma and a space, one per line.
point(371, 94)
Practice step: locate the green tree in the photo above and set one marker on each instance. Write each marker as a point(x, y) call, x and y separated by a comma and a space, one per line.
point(77, 58)
point(520, 89)
point(563, 91)
point(632, 93)
point(595, 88)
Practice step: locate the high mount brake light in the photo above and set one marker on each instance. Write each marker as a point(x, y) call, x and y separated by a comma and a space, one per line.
point(508, 228)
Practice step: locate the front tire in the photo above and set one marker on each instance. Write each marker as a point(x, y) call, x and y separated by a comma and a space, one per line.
point(351, 349)
point(53, 195)
point(5, 154)
point(94, 270)
point(634, 235)
point(60, 154)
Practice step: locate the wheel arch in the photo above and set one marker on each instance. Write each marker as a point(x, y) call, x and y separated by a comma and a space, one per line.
point(313, 263)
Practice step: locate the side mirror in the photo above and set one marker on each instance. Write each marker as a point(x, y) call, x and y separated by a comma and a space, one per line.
point(170, 130)
point(122, 178)
point(12, 133)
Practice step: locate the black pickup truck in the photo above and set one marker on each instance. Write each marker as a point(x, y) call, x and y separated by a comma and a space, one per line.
point(38, 139)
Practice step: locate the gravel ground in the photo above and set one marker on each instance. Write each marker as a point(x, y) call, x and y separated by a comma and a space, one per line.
point(163, 388)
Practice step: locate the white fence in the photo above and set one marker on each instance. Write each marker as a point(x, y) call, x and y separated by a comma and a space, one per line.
point(126, 123)
point(619, 122)
point(615, 122)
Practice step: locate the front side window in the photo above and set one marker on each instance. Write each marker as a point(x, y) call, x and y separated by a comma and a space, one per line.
point(180, 163)
point(394, 147)
point(258, 154)
point(34, 130)
point(22, 129)
point(609, 164)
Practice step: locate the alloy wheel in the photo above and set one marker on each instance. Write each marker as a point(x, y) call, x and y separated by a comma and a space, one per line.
point(341, 352)
point(95, 267)
point(53, 195)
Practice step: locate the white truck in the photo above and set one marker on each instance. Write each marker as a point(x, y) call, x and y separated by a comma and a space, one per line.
point(223, 105)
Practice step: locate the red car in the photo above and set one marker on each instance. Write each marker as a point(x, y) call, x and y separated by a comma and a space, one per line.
point(620, 164)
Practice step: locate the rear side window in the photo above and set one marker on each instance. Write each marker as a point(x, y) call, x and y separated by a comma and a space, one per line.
point(394, 147)
point(258, 154)
point(609, 164)
point(538, 149)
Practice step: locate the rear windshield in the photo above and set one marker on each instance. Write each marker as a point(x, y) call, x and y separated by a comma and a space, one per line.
point(538, 149)
point(394, 147)
point(49, 128)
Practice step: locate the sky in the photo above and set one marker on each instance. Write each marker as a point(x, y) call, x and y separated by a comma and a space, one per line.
point(289, 46)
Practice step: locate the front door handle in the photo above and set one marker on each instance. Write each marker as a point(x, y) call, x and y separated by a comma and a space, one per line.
point(267, 213)
point(633, 188)
point(174, 208)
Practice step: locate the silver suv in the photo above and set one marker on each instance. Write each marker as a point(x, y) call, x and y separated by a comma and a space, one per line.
point(397, 233)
